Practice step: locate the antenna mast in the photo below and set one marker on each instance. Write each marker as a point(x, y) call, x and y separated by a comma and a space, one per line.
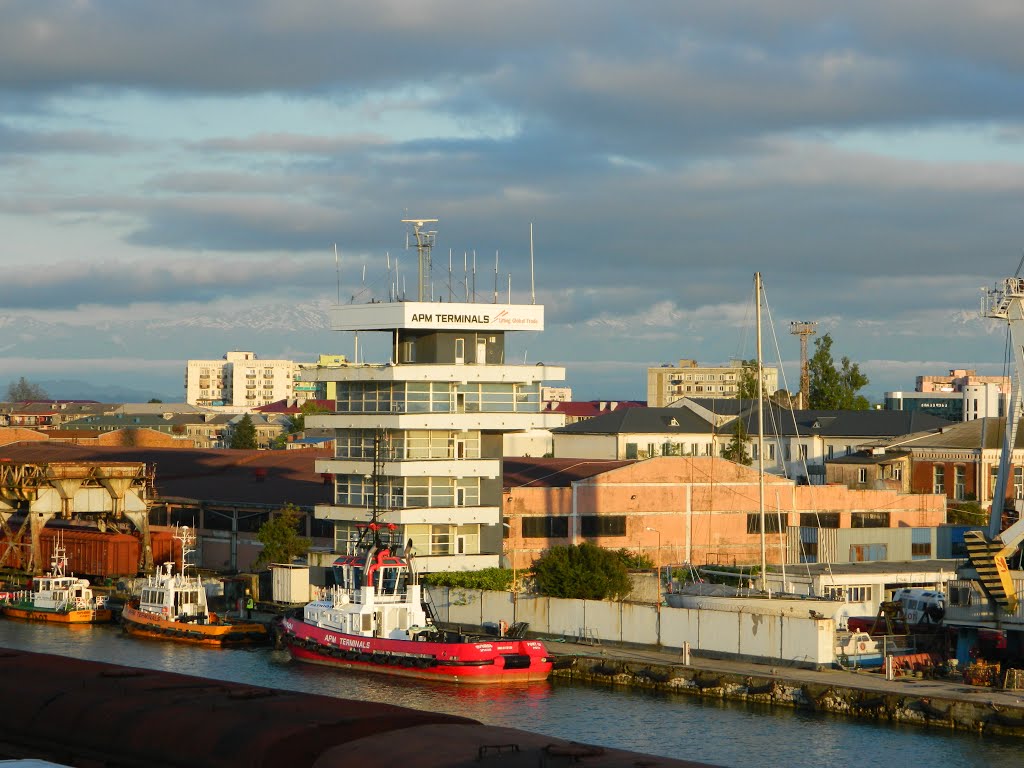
point(424, 245)
point(803, 330)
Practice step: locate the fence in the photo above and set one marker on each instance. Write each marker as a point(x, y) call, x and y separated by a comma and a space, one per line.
point(743, 633)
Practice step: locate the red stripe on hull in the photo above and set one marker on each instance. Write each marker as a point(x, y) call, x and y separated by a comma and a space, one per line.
point(537, 672)
point(482, 662)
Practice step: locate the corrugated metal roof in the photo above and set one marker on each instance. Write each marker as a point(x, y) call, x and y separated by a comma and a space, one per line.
point(221, 475)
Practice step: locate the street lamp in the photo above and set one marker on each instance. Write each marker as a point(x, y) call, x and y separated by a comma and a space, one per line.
point(657, 553)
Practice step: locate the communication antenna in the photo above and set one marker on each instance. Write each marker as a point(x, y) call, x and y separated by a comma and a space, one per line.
point(533, 295)
point(424, 246)
point(337, 271)
point(804, 330)
point(495, 277)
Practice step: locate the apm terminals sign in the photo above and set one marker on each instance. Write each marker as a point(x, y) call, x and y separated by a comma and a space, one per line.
point(530, 318)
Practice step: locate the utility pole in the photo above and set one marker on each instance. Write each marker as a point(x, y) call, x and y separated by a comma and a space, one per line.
point(803, 330)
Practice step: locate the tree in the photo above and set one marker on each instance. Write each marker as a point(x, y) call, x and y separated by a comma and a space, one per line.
point(583, 571)
point(298, 421)
point(747, 387)
point(154, 400)
point(736, 450)
point(244, 433)
point(23, 389)
point(280, 537)
point(834, 388)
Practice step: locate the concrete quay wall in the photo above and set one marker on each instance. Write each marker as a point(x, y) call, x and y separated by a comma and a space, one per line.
point(764, 632)
point(942, 704)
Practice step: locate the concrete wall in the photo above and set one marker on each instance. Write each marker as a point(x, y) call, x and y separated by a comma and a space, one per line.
point(746, 632)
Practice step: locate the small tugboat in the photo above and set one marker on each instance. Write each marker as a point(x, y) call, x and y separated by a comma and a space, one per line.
point(374, 620)
point(57, 597)
point(172, 606)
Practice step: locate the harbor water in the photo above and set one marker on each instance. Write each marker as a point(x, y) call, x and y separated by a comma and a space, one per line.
point(673, 725)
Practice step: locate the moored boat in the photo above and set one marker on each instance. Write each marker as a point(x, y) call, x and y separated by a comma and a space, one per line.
point(57, 597)
point(173, 606)
point(373, 620)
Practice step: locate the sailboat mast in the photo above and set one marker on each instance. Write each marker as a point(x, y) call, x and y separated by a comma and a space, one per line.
point(760, 431)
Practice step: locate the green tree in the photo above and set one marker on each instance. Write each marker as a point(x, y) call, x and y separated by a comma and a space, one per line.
point(154, 400)
point(280, 537)
point(736, 450)
point(833, 388)
point(23, 389)
point(582, 571)
point(298, 421)
point(244, 434)
point(747, 387)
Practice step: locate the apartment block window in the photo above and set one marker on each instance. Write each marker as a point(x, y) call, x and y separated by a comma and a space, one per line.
point(939, 479)
point(788, 455)
point(1018, 482)
point(545, 527)
point(849, 450)
point(771, 451)
point(819, 519)
point(803, 452)
point(897, 473)
point(602, 525)
point(772, 523)
point(830, 452)
point(993, 475)
point(862, 475)
point(869, 520)
point(959, 483)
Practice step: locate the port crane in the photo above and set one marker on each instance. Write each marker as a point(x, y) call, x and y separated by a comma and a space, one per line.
point(988, 551)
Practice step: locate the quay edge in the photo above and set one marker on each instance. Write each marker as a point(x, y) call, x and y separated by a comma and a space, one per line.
point(932, 703)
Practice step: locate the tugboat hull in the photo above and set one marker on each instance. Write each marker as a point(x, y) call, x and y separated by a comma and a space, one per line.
point(482, 663)
point(85, 616)
point(214, 632)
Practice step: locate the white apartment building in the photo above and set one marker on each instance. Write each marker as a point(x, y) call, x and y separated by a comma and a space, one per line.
point(420, 437)
point(668, 383)
point(240, 379)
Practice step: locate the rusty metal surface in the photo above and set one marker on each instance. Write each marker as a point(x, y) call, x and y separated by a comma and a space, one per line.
point(85, 713)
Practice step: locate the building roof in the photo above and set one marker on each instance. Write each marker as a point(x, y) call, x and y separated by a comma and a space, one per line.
point(875, 567)
point(640, 421)
point(971, 435)
point(554, 473)
point(589, 409)
point(290, 406)
point(266, 478)
point(855, 424)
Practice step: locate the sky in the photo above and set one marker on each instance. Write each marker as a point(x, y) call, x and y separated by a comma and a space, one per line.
point(175, 178)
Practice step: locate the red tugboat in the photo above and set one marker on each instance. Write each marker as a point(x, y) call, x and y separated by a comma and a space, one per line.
point(374, 620)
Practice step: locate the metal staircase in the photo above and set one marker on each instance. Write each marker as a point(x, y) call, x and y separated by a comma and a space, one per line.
point(989, 561)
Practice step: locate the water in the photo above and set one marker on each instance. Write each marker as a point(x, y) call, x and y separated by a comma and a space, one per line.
point(672, 725)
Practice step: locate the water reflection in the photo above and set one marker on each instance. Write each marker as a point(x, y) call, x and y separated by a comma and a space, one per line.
point(673, 725)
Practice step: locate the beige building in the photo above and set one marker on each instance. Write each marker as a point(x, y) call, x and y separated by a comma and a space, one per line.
point(240, 379)
point(668, 383)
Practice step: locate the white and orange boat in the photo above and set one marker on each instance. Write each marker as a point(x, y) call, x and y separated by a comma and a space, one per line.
point(374, 620)
point(173, 606)
point(57, 597)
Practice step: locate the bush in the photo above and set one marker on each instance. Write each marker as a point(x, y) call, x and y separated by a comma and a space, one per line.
point(583, 572)
point(492, 579)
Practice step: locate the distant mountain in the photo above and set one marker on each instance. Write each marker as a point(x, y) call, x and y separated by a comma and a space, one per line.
point(67, 389)
point(278, 317)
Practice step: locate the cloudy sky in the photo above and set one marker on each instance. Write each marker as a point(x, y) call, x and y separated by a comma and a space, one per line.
point(174, 177)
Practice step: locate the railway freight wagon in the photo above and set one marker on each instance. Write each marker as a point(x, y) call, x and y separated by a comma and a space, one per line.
point(94, 553)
